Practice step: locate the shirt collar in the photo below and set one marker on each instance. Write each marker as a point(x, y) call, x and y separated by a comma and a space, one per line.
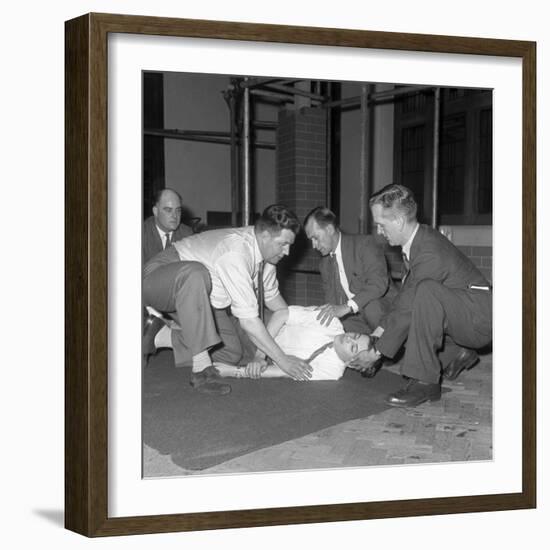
point(255, 248)
point(163, 233)
point(407, 246)
point(338, 249)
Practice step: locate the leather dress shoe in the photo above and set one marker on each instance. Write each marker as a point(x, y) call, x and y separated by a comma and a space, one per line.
point(414, 393)
point(206, 381)
point(151, 328)
point(464, 360)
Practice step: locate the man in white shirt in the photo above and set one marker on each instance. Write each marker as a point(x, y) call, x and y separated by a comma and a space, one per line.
point(326, 347)
point(200, 277)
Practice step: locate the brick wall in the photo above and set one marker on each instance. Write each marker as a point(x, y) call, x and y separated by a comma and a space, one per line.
point(481, 257)
point(303, 289)
point(301, 185)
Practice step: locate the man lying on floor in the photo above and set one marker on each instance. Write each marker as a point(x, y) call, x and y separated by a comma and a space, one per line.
point(328, 349)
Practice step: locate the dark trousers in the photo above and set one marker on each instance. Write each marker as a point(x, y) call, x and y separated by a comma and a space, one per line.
point(368, 318)
point(442, 320)
point(182, 289)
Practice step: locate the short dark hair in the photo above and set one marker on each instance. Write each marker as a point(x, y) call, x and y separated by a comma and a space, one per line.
point(158, 194)
point(360, 362)
point(277, 217)
point(323, 216)
point(396, 196)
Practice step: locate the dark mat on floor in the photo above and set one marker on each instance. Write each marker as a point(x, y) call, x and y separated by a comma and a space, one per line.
point(199, 431)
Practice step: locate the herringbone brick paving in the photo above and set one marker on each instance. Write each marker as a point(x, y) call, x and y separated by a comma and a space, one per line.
point(457, 428)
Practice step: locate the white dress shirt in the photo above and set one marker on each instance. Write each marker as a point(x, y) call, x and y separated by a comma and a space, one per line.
point(406, 248)
point(302, 334)
point(343, 278)
point(233, 258)
point(162, 235)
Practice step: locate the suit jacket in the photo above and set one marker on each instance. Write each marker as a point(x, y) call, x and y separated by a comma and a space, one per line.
point(432, 256)
point(365, 267)
point(151, 243)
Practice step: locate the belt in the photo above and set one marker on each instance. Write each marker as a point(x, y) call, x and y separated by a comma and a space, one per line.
point(473, 286)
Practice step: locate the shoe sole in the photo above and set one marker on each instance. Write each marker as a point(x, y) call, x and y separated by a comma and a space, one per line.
point(148, 340)
point(213, 388)
point(468, 366)
point(209, 386)
point(408, 406)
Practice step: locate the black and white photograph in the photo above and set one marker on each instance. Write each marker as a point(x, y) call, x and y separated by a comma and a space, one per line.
point(317, 274)
point(250, 250)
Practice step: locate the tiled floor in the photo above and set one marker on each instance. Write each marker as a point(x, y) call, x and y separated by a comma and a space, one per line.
point(457, 428)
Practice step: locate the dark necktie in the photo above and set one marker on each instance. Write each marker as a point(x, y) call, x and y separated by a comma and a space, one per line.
point(318, 352)
point(261, 289)
point(167, 242)
point(338, 291)
point(407, 266)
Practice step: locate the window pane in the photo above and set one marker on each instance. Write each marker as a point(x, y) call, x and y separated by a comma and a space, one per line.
point(485, 189)
point(412, 168)
point(452, 164)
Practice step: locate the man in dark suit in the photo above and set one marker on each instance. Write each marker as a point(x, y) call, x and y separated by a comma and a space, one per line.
point(163, 227)
point(354, 274)
point(443, 310)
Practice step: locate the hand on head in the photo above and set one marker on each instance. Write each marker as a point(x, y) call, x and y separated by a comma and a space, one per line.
point(354, 349)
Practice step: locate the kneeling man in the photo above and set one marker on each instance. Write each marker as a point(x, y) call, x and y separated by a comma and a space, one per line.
point(213, 283)
point(443, 311)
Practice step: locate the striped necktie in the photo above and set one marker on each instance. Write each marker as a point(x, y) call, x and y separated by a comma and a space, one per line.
point(338, 291)
point(313, 356)
point(167, 242)
point(318, 352)
point(261, 289)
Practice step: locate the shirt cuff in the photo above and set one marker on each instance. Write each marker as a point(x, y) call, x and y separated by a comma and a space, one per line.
point(353, 306)
point(244, 312)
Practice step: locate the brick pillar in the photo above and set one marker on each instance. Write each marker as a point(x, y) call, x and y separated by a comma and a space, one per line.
point(301, 185)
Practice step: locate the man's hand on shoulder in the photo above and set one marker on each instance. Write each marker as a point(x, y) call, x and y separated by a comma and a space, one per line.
point(327, 312)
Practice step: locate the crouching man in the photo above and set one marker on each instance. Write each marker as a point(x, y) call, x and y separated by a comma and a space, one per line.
point(212, 283)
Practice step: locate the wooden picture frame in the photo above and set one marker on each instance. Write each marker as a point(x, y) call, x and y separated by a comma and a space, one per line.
point(86, 224)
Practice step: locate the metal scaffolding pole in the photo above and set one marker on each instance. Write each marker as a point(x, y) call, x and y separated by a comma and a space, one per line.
point(385, 95)
point(328, 173)
point(365, 167)
point(253, 82)
point(234, 158)
point(399, 92)
point(435, 167)
point(185, 135)
point(277, 96)
point(246, 157)
point(295, 91)
point(264, 124)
